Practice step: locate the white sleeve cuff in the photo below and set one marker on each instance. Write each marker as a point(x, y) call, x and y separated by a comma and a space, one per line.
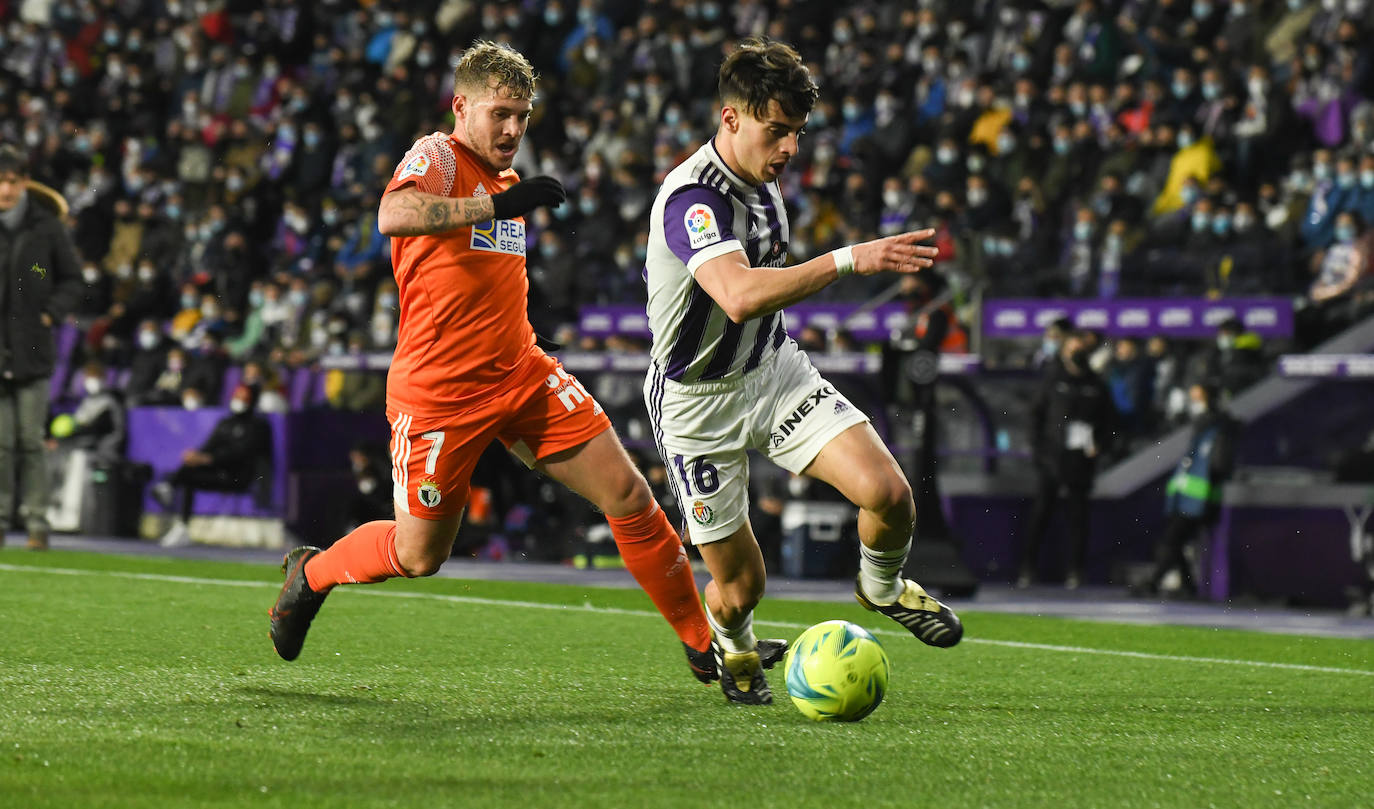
point(711, 251)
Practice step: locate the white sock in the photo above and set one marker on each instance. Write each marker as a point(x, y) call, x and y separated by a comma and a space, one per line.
point(738, 639)
point(880, 572)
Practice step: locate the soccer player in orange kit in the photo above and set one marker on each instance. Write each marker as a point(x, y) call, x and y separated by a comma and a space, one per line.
point(466, 371)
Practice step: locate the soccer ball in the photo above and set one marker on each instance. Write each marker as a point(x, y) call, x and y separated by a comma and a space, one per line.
point(836, 671)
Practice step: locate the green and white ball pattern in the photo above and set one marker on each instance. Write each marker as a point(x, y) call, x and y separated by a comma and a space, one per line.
point(836, 671)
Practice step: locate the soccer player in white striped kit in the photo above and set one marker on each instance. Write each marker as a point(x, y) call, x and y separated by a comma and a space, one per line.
point(726, 378)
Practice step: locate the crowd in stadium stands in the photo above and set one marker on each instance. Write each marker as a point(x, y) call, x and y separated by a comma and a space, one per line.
point(223, 160)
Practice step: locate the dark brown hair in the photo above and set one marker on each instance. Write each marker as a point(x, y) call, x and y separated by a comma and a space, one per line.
point(13, 161)
point(762, 70)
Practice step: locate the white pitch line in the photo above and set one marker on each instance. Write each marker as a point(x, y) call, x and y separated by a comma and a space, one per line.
point(538, 605)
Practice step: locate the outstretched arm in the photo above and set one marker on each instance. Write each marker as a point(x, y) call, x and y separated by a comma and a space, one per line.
point(746, 292)
point(411, 212)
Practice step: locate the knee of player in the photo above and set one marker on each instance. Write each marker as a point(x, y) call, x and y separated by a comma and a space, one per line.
point(421, 567)
point(421, 564)
point(628, 495)
point(890, 497)
point(895, 504)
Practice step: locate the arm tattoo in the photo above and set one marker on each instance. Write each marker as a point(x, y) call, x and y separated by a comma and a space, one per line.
point(426, 214)
point(437, 215)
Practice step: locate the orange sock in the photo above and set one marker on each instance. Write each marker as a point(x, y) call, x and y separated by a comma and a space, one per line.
point(655, 556)
point(365, 556)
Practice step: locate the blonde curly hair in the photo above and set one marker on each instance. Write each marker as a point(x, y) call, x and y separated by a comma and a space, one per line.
point(491, 66)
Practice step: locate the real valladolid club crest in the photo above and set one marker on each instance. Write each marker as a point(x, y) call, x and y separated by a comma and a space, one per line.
point(702, 513)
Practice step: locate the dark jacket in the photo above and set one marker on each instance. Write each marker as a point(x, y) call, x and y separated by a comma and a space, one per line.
point(1063, 402)
point(144, 369)
point(39, 275)
point(241, 445)
point(1194, 490)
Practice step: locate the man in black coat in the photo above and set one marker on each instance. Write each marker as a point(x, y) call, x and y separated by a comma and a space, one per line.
point(1073, 422)
point(40, 282)
point(232, 459)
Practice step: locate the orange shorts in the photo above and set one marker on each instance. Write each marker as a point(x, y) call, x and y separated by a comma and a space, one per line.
point(541, 410)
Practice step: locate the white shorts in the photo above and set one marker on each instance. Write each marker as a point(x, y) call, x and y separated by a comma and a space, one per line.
point(784, 409)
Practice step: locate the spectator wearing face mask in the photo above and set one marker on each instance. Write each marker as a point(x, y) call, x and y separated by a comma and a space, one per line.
point(1063, 169)
point(354, 390)
point(946, 171)
point(1253, 260)
point(1072, 423)
point(1130, 377)
point(1117, 246)
point(125, 241)
point(93, 438)
point(1236, 361)
point(253, 331)
point(1319, 223)
point(96, 291)
point(168, 385)
point(188, 312)
point(1196, 160)
point(554, 282)
point(99, 424)
point(1011, 159)
point(263, 378)
point(1339, 269)
point(1291, 27)
point(205, 367)
point(371, 498)
point(231, 459)
point(1079, 259)
point(1193, 494)
point(1364, 199)
point(147, 361)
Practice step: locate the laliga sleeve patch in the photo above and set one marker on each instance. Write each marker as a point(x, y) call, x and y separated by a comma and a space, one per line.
point(702, 228)
point(415, 167)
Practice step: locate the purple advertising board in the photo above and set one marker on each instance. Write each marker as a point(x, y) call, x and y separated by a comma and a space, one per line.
point(875, 324)
point(1139, 317)
point(159, 435)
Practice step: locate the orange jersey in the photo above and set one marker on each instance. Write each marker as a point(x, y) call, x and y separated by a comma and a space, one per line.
point(463, 326)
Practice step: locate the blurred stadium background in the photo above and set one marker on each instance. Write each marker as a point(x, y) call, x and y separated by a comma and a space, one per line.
point(1150, 169)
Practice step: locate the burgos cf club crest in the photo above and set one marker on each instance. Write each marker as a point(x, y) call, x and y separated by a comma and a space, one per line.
point(700, 224)
point(702, 513)
point(428, 493)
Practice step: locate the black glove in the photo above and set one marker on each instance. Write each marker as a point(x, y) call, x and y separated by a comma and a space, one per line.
point(525, 196)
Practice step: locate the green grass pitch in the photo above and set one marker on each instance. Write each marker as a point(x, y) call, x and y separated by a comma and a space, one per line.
point(132, 682)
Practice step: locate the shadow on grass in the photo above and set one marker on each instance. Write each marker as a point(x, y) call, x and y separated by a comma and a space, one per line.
point(380, 710)
point(290, 696)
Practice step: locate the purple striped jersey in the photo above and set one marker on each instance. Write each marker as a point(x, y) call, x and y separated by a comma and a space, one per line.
point(702, 211)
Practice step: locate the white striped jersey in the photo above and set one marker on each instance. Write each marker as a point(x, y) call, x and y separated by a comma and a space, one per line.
point(703, 211)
